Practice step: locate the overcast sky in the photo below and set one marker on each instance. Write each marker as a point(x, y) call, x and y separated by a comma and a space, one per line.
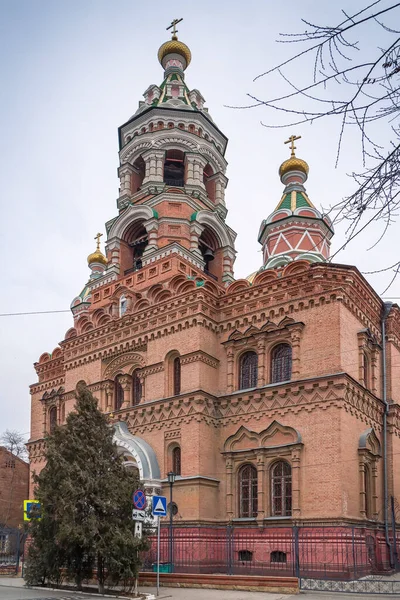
point(72, 71)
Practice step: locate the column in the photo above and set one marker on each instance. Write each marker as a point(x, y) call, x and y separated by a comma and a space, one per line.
point(374, 371)
point(261, 507)
point(195, 232)
point(228, 258)
point(220, 184)
point(230, 370)
point(295, 341)
point(109, 392)
point(154, 161)
point(44, 419)
point(126, 382)
point(152, 229)
point(261, 363)
point(190, 157)
point(229, 489)
point(296, 483)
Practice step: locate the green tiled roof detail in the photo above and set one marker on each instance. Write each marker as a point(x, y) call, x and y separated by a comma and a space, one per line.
point(193, 216)
point(301, 200)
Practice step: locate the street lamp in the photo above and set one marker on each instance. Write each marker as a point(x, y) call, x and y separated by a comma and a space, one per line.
point(171, 480)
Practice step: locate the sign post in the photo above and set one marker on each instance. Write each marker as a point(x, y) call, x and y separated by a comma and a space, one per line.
point(159, 509)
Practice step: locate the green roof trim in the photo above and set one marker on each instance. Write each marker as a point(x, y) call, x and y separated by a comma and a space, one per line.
point(193, 216)
point(200, 283)
point(301, 200)
point(155, 213)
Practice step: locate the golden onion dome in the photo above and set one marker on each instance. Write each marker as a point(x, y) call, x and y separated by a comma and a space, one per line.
point(293, 164)
point(97, 256)
point(174, 46)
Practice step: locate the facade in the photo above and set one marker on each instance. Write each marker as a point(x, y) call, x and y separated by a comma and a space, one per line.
point(266, 395)
point(14, 489)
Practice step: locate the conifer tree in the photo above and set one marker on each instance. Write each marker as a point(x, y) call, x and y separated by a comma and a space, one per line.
point(85, 495)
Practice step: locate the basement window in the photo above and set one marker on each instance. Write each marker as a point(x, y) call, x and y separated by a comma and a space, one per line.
point(278, 557)
point(245, 555)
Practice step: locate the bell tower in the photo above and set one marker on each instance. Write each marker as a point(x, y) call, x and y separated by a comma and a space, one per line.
point(171, 204)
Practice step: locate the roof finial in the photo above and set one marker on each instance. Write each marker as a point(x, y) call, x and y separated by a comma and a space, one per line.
point(97, 238)
point(291, 141)
point(174, 23)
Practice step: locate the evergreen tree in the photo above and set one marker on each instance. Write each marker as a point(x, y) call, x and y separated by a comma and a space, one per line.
point(85, 495)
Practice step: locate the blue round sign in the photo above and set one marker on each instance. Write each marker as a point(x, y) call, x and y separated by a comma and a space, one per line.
point(139, 499)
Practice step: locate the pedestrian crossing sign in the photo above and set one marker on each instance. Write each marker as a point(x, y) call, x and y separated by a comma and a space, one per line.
point(159, 506)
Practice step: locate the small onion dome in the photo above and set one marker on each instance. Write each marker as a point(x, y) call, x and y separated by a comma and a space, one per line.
point(97, 257)
point(293, 164)
point(174, 46)
point(250, 278)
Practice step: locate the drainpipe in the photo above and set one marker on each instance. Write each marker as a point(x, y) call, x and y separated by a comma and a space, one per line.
point(386, 310)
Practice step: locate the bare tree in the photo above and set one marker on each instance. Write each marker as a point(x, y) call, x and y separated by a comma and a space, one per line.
point(14, 443)
point(358, 85)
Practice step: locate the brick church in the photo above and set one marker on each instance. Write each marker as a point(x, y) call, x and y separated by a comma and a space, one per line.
point(274, 399)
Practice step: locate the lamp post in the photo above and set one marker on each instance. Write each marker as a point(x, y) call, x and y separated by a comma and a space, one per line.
point(171, 480)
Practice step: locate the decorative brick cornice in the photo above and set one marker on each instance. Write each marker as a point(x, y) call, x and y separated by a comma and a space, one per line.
point(200, 356)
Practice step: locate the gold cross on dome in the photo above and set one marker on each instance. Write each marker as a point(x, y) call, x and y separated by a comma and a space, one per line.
point(97, 238)
point(174, 23)
point(291, 141)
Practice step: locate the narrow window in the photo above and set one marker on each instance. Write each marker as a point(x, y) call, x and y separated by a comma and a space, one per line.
point(248, 370)
point(122, 306)
point(177, 376)
point(366, 371)
point(53, 419)
point(119, 393)
point(176, 460)
point(281, 489)
point(281, 363)
point(367, 492)
point(248, 491)
point(136, 388)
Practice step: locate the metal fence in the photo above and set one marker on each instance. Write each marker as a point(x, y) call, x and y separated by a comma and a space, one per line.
point(11, 547)
point(334, 553)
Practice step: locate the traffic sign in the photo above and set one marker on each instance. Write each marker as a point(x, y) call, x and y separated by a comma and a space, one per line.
point(138, 529)
point(139, 499)
point(31, 510)
point(138, 515)
point(159, 508)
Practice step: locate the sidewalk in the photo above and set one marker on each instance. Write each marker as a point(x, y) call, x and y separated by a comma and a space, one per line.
point(12, 581)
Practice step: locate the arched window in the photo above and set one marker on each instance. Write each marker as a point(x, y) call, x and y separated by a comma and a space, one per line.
point(281, 363)
point(52, 419)
point(123, 305)
point(281, 489)
point(136, 388)
point(248, 491)
point(176, 460)
point(367, 492)
point(366, 371)
point(177, 376)
point(119, 393)
point(248, 370)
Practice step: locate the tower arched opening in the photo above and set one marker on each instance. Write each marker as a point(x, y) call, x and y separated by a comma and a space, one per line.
point(133, 245)
point(139, 171)
point(209, 247)
point(209, 183)
point(174, 168)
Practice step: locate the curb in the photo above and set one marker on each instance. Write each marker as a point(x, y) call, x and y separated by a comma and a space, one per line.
point(34, 587)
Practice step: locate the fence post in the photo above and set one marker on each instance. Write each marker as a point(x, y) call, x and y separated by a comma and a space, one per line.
point(296, 551)
point(353, 549)
point(229, 549)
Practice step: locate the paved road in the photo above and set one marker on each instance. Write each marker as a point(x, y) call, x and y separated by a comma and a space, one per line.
point(17, 593)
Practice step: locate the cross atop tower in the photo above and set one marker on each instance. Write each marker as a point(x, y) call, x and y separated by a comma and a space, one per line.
point(291, 141)
point(97, 238)
point(174, 23)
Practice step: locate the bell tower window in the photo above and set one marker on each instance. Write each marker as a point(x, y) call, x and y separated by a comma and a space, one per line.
point(174, 168)
point(208, 183)
point(136, 240)
point(139, 170)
